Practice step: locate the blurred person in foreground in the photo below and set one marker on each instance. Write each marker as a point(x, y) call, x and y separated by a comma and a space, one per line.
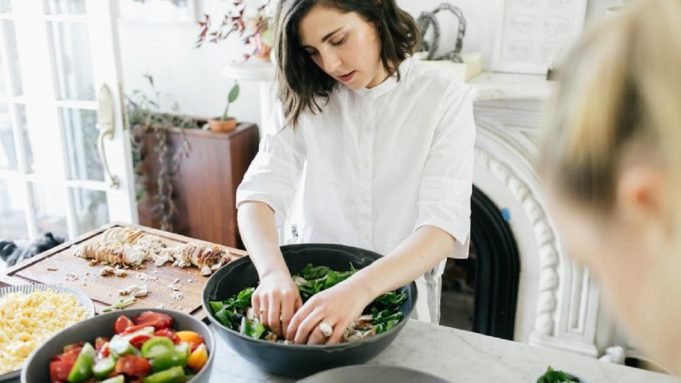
point(611, 162)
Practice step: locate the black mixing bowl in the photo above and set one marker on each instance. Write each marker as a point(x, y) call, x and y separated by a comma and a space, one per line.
point(300, 360)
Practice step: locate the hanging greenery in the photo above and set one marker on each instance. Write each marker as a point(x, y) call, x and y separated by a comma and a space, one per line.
point(145, 117)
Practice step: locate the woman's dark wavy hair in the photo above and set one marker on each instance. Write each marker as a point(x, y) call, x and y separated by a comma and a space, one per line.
point(302, 85)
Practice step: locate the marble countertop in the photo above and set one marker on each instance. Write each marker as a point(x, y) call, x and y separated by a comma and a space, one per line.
point(455, 355)
point(458, 356)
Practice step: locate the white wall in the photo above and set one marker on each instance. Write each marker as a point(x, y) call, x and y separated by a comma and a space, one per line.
point(192, 77)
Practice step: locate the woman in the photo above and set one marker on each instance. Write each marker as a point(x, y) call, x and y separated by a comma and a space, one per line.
point(379, 149)
point(612, 166)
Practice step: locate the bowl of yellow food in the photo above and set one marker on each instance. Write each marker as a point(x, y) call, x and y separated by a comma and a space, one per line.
point(31, 314)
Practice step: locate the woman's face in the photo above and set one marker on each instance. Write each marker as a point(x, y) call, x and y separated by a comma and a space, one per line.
point(343, 45)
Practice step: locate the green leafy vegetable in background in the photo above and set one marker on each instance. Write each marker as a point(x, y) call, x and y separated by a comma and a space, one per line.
point(555, 376)
point(384, 310)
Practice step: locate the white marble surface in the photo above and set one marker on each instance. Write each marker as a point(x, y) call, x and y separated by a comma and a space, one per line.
point(506, 86)
point(488, 85)
point(458, 356)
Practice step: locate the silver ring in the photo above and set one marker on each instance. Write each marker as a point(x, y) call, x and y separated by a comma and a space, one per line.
point(325, 329)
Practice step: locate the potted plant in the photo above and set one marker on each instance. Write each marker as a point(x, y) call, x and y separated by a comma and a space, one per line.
point(152, 153)
point(226, 123)
point(185, 174)
point(252, 20)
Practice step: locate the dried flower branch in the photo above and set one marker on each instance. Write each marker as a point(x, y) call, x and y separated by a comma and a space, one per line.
point(250, 22)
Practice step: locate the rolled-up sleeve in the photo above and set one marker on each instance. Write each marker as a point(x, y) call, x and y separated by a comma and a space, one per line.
point(273, 175)
point(446, 184)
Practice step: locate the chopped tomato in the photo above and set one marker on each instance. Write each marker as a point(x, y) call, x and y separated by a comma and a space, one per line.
point(59, 370)
point(100, 342)
point(61, 365)
point(135, 328)
point(158, 320)
point(70, 355)
point(139, 339)
point(190, 337)
point(104, 352)
point(122, 323)
point(134, 366)
point(72, 346)
point(168, 333)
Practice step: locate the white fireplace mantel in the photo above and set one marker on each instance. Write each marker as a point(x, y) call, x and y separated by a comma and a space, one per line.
point(558, 303)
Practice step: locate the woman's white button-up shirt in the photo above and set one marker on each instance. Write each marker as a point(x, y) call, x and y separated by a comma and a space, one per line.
point(374, 165)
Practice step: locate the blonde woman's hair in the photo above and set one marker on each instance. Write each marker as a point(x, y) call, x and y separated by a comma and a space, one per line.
point(620, 90)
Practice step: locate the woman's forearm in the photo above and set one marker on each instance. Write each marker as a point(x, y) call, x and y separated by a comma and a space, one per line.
point(420, 252)
point(259, 234)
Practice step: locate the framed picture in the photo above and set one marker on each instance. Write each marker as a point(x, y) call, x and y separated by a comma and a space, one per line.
point(158, 11)
point(533, 34)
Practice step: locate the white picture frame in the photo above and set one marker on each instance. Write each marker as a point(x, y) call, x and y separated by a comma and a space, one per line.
point(158, 11)
point(534, 34)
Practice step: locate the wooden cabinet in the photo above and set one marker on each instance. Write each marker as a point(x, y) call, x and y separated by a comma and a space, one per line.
point(204, 188)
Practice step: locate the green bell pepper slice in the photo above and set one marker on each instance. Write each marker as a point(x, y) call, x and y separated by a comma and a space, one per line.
point(171, 375)
point(115, 379)
point(82, 368)
point(157, 346)
point(177, 357)
point(119, 346)
point(104, 367)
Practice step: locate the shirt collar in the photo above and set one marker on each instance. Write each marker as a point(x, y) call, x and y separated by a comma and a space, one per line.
point(389, 84)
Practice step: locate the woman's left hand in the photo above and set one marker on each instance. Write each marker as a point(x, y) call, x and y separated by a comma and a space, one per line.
point(326, 315)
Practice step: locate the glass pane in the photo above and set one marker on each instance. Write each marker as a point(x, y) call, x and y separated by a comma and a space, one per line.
point(4, 87)
point(11, 59)
point(5, 6)
point(91, 209)
point(12, 213)
point(68, 7)
point(71, 51)
point(49, 202)
point(41, 154)
point(80, 127)
point(8, 153)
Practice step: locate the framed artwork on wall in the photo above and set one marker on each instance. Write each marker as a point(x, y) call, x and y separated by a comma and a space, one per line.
point(533, 34)
point(158, 11)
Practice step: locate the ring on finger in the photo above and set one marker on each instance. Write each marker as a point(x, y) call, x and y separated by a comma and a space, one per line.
point(325, 329)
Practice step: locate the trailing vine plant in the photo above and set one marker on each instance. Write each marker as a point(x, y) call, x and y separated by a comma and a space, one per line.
point(145, 117)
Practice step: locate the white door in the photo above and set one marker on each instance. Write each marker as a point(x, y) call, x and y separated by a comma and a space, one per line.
point(64, 153)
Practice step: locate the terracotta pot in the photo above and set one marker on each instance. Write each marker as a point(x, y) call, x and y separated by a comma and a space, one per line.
point(218, 125)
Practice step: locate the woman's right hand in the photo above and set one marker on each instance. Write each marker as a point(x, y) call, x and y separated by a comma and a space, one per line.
point(275, 300)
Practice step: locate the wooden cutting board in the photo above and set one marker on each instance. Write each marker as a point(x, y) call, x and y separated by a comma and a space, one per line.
point(60, 266)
